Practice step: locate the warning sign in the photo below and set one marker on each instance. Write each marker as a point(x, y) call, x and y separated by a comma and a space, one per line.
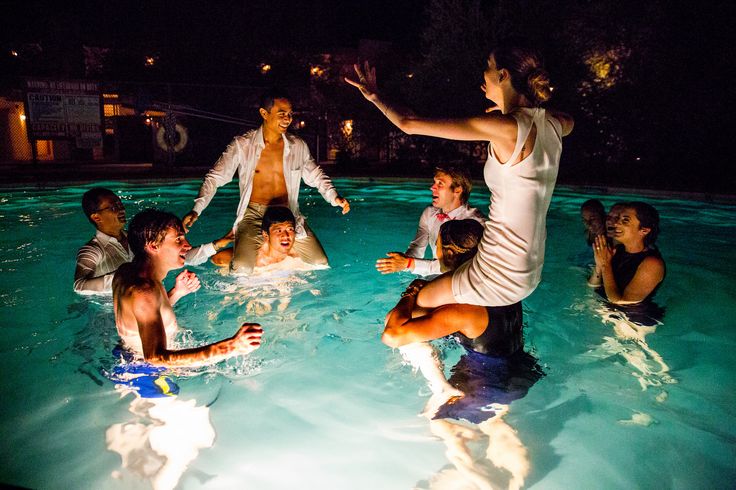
point(64, 109)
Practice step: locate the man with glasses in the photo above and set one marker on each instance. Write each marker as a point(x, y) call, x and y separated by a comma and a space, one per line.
point(98, 260)
point(271, 164)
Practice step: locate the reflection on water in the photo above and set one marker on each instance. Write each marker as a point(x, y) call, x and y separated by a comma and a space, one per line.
point(267, 287)
point(166, 433)
point(467, 413)
point(164, 436)
point(629, 341)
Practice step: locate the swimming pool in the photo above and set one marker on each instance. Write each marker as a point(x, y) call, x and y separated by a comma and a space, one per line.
point(323, 404)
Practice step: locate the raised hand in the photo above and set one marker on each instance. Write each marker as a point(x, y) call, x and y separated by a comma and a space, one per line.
point(393, 262)
point(186, 282)
point(366, 82)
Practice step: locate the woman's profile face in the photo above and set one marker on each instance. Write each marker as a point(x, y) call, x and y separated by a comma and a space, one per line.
point(490, 80)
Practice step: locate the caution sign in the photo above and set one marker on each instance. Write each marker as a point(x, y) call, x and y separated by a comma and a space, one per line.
point(61, 109)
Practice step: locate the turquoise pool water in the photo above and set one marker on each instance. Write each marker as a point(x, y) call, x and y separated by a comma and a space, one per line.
point(323, 404)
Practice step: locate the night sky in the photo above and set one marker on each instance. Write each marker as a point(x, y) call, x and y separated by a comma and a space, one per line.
point(190, 23)
point(682, 89)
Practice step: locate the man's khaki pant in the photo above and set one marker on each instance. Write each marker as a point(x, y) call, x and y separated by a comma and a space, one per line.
point(248, 239)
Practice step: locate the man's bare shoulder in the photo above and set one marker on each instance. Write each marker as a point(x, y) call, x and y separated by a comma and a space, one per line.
point(129, 282)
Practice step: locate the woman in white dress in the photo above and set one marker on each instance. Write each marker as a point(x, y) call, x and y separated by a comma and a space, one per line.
point(525, 143)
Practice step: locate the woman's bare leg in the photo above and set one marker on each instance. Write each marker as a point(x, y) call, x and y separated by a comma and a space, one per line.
point(437, 292)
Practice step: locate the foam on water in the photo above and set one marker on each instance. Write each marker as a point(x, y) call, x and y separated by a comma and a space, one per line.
point(323, 404)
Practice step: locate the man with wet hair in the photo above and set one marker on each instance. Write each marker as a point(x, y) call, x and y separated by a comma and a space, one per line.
point(450, 193)
point(278, 233)
point(99, 258)
point(144, 313)
point(271, 164)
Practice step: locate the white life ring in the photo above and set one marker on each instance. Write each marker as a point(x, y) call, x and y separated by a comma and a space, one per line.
point(180, 145)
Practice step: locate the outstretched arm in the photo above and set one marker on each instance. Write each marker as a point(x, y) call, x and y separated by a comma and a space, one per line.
point(146, 302)
point(493, 126)
point(220, 174)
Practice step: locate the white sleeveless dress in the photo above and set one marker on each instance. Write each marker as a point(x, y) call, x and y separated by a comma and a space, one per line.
point(508, 265)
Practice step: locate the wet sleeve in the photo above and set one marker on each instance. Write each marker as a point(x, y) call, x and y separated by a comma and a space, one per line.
point(313, 176)
point(85, 281)
point(220, 174)
point(426, 267)
point(199, 255)
point(418, 246)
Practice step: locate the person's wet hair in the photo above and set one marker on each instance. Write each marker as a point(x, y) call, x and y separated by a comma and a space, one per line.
point(594, 206)
point(460, 239)
point(648, 218)
point(595, 221)
point(268, 97)
point(91, 200)
point(460, 177)
point(528, 76)
point(276, 214)
point(150, 226)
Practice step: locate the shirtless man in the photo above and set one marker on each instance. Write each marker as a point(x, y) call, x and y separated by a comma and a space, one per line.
point(144, 315)
point(278, 234)
point(271, 164)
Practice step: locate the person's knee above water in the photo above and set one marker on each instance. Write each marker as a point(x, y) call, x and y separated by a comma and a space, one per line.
point(631, 271)
point(521, 171)
point(98, 260)
point(451, 188)
point(271, 163)
point(486, 330)
point(144, 313)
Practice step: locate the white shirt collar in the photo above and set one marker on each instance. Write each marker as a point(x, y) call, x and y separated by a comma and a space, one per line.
point(262, 144)
point(456, 212)
point(104, 238)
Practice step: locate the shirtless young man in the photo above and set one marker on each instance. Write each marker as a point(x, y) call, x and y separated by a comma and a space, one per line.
point(271, 164)
point(278, 234)
point(144, 315)
point(451, 188)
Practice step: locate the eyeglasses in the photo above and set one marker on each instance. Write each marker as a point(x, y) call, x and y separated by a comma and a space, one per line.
point(114, 208)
